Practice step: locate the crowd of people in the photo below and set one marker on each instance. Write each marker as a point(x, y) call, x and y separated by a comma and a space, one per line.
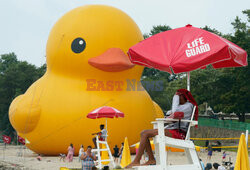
point(87, 157)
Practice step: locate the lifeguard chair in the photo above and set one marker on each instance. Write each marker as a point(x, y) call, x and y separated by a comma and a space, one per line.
point(161, 141)
point(99, 150)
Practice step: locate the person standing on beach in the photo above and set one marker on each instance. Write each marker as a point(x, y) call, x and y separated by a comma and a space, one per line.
point(116, 153)
point(70, 154)
point(224, 156)
point(81, 150)
point(120, 152)
point(88, 159)
point(206, 144)
point(210, 151)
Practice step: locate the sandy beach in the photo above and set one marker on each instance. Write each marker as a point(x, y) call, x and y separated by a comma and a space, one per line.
point(9, 159)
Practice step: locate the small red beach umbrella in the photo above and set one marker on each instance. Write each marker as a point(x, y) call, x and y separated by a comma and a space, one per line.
point(105, 112)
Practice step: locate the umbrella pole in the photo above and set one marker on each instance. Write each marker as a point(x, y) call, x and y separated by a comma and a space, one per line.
point(188, 81)
point(247, 138)
point(106, 124)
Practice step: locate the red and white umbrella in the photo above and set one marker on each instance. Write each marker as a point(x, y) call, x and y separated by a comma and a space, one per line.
point(105, 112)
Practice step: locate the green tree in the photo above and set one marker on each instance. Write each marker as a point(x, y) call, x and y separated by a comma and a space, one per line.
point(239, 94)
point(151, 74)
point(207, 28)
point(157, 29)
point(225, 90)
point(15, 78)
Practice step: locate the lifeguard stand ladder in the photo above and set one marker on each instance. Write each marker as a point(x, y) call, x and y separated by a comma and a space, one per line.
point(161, 141)
point(98, 150)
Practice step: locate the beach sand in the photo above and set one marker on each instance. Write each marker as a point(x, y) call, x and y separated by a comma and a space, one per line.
point(9, 159)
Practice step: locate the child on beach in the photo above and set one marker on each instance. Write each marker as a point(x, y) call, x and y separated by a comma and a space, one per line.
point(39, 158)
point(224, 156)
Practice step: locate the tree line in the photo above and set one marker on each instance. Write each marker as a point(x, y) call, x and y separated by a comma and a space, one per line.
point(15, 78)
point(226, 90)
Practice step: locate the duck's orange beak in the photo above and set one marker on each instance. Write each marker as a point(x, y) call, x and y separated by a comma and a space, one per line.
point(112, 60)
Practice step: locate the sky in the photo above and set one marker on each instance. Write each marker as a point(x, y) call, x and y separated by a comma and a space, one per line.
point(25, 24)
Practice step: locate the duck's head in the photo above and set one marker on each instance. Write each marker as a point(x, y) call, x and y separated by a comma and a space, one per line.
point(92, 41)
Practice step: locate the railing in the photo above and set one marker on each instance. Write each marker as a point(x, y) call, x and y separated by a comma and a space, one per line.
point(227, 124)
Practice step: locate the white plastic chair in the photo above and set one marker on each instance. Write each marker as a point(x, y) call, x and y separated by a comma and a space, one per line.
point(161, 141)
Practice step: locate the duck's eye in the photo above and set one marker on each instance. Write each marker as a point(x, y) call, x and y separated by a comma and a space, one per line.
point(78, 45)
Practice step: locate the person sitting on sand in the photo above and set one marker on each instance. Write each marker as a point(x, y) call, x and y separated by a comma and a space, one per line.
point(102, 135)
point(39, 158)
point(183, 101)
point(218, 166)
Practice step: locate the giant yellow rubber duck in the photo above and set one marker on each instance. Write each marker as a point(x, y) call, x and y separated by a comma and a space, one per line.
point(87, 67)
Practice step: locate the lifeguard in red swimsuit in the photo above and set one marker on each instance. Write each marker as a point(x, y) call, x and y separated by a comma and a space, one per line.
point(183, 101)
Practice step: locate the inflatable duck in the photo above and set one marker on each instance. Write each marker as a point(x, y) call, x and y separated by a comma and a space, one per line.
point(87, 67)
